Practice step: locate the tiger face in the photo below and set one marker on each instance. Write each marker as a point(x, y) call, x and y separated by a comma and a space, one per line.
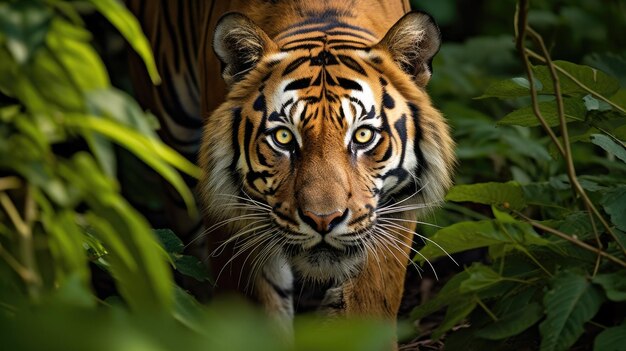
point(328, 135)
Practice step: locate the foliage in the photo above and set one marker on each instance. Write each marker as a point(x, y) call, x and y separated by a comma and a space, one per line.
point(63, 218)
point(555, 240)
point(546, 205)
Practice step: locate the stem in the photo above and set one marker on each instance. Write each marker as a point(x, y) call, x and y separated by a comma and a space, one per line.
point(15, 264)
point(521, 21)
point(24, 230)
point(522, 30)
point(571, 239)
point(9, 183)
point(486, 309)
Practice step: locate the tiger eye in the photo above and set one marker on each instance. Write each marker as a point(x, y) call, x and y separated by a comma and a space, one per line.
point(283, 136)
point(363, 135)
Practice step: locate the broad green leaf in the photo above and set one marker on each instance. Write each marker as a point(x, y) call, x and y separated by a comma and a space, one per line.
point(480, 276)
point(574, 111)
point(500, 194)
point(614, 284)
point(188, 265)
point(614, 203)
point(170, 241)
point(455, 314)
point(315, 334)
point(510, 88)
point(120, 107)
point(191, 266)
point(69, 47)
point(129, 27)
point(571, 302)
point(66, 245)
point(609, 145)
point(448, 294)
point(470, 235)
point(135, 259)
point(592, 78)
point(611, 339)
point(512, 323)
point(612, 63)
point(154, 153)
point(25, 25)
point(619, 98)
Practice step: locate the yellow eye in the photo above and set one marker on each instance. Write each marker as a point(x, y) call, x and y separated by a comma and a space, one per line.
point(363, 135)
point(283, 136)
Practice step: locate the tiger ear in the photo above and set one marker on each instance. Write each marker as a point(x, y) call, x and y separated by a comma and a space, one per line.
point(239, 44)
point(413, 42)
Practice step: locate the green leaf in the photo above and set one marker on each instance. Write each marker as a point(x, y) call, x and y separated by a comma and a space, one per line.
point(470, 235)
point(120, 107)
point(614, 203)
point(574, 109)
point(614, 284)
point(134, 257)
point(25, 25)
point(512, 323)
point(619, 98)
point(609, 145)
point(592, 78)
point(69, 48)
point(188, 265)
point(480, 277)
point(154, 153)
point(508, 194)
point(510, 88)
point(611, 339)
point(448, 294)
point(571, 302)
point(129, 27)
point(192, 267)
point(170, 241)
point(455, 314)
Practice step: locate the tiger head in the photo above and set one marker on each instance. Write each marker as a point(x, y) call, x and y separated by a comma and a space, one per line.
point(322, 135)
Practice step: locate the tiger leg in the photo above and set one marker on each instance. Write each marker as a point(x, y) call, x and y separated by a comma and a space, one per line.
point(377, 291)
point(273, 288)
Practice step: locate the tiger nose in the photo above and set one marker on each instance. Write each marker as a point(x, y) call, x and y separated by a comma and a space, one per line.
point(323, 223)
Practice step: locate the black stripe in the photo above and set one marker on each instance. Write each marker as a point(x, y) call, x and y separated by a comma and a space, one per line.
point(349, 84)
point(235, 141)
point(295, 64)
point(350, 47)
point(298, 84)
point(302, 47)
point(421, 161)
point(351, 63)
point(283, 293)
point(321, 39)
point(335, 41)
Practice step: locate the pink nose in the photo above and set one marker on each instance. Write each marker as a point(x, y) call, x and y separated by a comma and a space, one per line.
point(322, 223)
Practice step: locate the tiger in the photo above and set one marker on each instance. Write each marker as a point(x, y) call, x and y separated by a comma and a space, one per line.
point(320, 150)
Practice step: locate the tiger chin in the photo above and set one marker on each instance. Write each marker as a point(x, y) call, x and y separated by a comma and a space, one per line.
point(324, 154)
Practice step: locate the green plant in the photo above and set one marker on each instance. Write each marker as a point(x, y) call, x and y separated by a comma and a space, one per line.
point(554, 273)
point(62, 215)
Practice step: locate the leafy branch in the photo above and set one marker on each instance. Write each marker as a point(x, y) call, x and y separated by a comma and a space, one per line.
point(522, 29)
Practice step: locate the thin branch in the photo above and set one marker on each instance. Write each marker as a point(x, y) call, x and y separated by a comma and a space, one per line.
point(24, 230)
point(571, 170)
point(521, 21)
point(16, 265)
point(9, 183)
point(522, 30)
point(571, 239)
